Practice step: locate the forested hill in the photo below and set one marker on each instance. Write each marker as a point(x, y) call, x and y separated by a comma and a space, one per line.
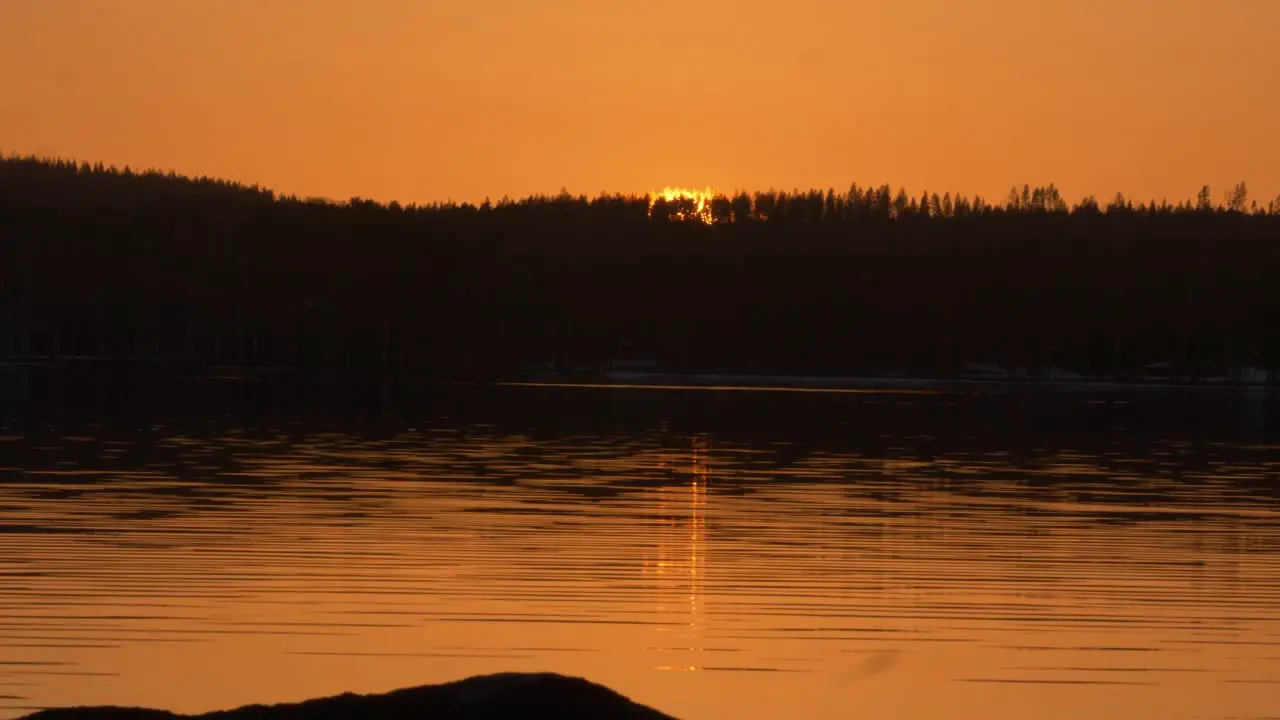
point(118, 265)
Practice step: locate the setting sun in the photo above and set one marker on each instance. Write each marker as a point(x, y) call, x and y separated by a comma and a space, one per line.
point(685, 204)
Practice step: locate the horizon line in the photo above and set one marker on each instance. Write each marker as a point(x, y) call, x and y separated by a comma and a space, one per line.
point(651, 195)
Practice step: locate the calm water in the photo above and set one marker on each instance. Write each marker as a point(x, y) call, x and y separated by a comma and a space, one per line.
point(881, 555)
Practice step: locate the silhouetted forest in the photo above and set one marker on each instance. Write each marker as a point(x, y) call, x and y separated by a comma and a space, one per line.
point(190, 275)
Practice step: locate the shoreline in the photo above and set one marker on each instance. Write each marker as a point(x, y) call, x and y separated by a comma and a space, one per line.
point(629, 379)
point(828, 383)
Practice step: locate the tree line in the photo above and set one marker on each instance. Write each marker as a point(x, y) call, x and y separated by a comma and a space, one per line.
point(191, 274)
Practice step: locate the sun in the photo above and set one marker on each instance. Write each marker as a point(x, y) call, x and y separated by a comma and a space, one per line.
point(686, 204)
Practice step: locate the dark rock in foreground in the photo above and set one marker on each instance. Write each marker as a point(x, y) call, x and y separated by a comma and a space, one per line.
point(505, 695)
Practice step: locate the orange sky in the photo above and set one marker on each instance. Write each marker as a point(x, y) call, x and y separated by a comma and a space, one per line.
point(422, 100)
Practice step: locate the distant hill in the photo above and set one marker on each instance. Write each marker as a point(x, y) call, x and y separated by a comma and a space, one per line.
point(191, 275)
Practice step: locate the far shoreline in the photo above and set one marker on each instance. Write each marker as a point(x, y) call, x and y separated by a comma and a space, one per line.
point(856, 384)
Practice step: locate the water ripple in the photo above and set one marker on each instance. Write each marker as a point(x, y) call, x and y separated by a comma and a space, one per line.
point(330, 562)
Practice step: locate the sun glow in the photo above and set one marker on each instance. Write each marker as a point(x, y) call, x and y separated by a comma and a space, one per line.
point(684, 204)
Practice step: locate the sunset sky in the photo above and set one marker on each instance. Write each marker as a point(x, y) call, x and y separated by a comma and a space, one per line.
point(424, 100)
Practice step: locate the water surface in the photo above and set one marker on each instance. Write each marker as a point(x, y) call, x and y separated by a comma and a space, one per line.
point(921, 555)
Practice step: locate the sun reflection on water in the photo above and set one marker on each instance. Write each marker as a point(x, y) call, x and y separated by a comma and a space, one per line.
point(681, 563)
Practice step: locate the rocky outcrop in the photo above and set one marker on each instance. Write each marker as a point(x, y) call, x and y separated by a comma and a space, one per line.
point(483, 697)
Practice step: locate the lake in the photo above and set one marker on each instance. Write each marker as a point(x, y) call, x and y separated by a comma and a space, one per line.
point(964, 552)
